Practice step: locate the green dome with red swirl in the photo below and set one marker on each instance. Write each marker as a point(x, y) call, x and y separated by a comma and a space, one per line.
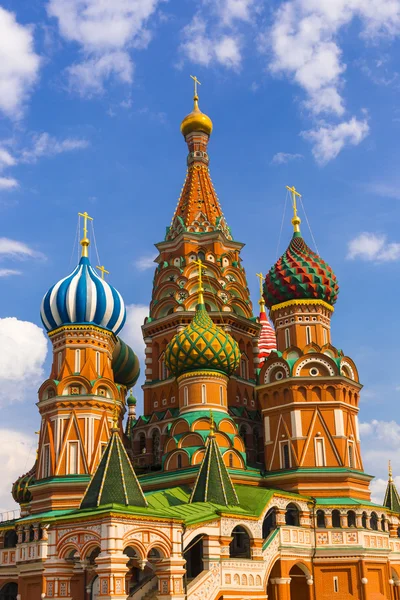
point(300, 274)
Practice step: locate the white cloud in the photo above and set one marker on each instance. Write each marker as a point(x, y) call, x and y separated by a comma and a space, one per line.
point(329, 140)
point(106, 32)
point(8, 183)
point(17, 456)
point(15, 249)
point(304, 43)
point(383, 189)
point(45, 145)
point(8, 272)
point(132, 331)
point(281, 158)
point(24, 350)
point(373, 247)
point(19, 64)
point(380, 442)
point(6, 159)
point(145, 262)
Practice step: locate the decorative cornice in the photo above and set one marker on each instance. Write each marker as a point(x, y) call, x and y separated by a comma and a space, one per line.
point(302, 303)
point(215, 374)
point(74, 326)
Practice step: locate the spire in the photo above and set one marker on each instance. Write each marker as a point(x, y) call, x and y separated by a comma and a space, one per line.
point(198, 209)
point(296, 219)
point(392, 498)
point(85, 240)
point(200, 291)
point(213, 483)
point(267, 339)
point(114, 481)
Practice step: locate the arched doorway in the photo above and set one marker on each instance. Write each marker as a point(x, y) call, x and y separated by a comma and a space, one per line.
point(95, 591)
point(240, 544)
point(269, 523)
point(9, 591)
point(194, 555)
point(298, 584)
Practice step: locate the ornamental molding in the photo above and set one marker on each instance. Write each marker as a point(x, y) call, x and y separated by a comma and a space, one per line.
point(313, 359)
point(276, 365)
point(227, 525)
point(311, 301)
point(345, 363)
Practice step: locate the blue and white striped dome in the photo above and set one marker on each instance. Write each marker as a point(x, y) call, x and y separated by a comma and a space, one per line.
point(83, 297)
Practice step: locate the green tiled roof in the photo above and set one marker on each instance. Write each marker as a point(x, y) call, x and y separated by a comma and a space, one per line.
point(114, 481)
point(392, 499)
point(213, 483)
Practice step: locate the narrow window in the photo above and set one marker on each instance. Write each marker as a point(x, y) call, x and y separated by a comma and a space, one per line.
point(221, 395)
point(77, 361)
point(287, 338)
point(325, 335)
point(179, 461)
point(59, 362)
point(98, 363)
point(203, 394)
point(73, 458)
point(308, 335)
point(285, 456)
point(351, 455)
point(243, 368)
point(46, 460)
point(320, 453)
point(336, 584)
point(185, 396)
point(231, 460)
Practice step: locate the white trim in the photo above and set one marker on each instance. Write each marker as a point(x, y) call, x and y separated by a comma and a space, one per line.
point(339, 423)
point(75, 469)
point(297, 430)
point(267, 431)
point(357, 428)
point(319, 442)
point(77, 361)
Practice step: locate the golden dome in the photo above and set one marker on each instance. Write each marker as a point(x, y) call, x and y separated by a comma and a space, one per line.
point(196, 121)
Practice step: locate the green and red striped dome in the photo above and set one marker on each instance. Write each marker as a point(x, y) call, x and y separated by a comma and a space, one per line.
point(300, 274)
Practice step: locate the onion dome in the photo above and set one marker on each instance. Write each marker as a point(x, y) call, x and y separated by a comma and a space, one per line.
point(300, 274)
point(196, 120)
point(131, 400)
point(20, 489)
point(202, 345)
point(83, 297)
point(125, 364)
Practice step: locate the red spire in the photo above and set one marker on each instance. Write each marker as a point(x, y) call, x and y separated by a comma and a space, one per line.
point(267, 341)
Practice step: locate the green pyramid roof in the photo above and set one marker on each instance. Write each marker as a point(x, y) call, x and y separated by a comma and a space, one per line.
point(392, 499)
point(114, 481)
point(213, 483)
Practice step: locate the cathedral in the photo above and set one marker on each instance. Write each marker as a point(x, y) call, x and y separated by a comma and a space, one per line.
point(243, 478)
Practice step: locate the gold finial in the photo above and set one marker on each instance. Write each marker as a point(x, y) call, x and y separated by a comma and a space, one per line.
point(85, 240)
point(296, 219)
point(115, 416)
point(212, 424)
point(261, 300)
point(103, 270)
point(37, 449)
point(390, 472)
point(199, 263)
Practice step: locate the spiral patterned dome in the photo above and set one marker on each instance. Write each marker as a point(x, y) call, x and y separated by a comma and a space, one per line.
point(202, 346)
point(125, 364)
point(300, 274)
point(83, 297)
point(20, 489)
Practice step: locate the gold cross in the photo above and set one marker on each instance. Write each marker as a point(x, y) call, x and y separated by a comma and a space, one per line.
point(261, 300)
point(196, 83)
point(199, 263)
point(103, 270)
point(85, 220)
point(296, 219)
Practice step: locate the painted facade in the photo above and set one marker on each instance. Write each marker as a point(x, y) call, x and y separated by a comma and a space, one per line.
point(243, 477)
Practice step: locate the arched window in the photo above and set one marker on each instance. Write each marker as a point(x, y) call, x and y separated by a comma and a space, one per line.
point(142, 443)
point(231, 460)
point(351, 518)
point(59, 363)
point(164, 373)
point(98, 363)
point(321, 519)
point(194, 556)
point(336, 518)
point(287, 338)
point(155, 440)
point(243, 367)
point(364, 520)
point(179, 461)
point(269, 523)
point(10, 539)
point(374, 521)
point(31, 533)
point(292, 516)
point(77, 361)
point(285, 455)
point(308, 335)
point(383, 523)
point(9, 591)
point(240, 544)
point(351, 455)
point(185, 396)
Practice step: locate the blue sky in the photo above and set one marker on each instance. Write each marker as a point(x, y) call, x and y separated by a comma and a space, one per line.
point(91, 99)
